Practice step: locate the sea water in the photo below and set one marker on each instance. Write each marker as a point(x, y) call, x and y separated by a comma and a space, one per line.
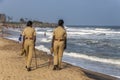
point(93, 48)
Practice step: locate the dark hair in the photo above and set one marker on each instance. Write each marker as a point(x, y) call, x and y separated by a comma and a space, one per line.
point(60, 22)
point(29, 23)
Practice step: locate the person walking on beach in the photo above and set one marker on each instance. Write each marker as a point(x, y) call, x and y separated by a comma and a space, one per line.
point(20, 38)
point(29, 39)
point(59, 44)
point(45, 34)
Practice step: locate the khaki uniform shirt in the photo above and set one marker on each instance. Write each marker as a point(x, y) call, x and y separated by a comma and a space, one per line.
point(59, 33)
point(29, 32)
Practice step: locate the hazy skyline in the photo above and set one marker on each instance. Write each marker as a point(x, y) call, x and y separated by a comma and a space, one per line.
point(76, 12)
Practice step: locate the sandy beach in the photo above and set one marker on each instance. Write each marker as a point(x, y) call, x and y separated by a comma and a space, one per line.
point(12, 66)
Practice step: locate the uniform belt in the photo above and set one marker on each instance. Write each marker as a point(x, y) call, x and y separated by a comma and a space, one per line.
point(29, 38)
point(59, 39)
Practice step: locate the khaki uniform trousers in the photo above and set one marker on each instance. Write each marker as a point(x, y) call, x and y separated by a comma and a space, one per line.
point(29, 48)
point(58, 52)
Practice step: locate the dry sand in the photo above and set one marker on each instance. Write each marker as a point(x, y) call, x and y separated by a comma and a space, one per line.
point(12, 66)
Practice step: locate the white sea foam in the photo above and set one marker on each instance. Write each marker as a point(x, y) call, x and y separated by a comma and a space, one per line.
point(101, 29)
point(93, 58)
point(43, 48)
point(40, 32)
point(12, 29)
point(77, 55)
point(45, 40)
point(91, 31)
point(116, 77)
point(11, 38)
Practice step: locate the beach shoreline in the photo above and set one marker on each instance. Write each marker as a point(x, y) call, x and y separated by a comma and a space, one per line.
point(69, 71)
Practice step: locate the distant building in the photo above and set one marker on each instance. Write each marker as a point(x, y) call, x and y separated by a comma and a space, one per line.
point(2, 17)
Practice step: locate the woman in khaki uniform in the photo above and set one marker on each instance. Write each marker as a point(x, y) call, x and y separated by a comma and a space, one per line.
point(29, 38)
point(59, 44)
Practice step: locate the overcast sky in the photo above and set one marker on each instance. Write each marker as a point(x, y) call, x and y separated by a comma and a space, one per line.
point(76, 12)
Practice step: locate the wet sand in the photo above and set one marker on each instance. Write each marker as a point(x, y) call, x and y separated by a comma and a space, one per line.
point(12, 66)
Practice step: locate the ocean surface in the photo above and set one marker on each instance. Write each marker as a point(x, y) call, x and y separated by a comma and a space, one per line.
point(93, 48)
